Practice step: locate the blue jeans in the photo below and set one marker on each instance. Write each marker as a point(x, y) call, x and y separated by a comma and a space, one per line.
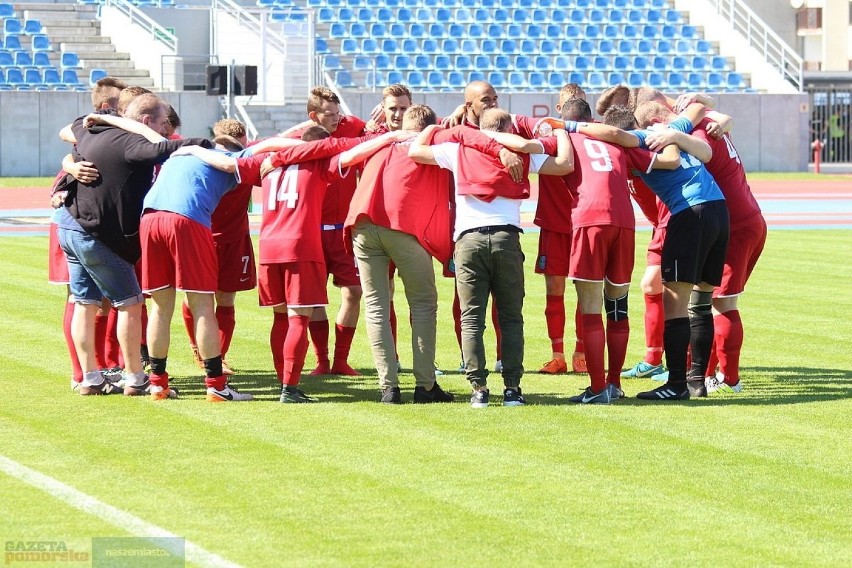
point(95, 271)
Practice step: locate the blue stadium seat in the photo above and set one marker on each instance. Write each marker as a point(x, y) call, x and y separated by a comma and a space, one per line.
point(443, 63)
point(653, 16)
point(69, 77)
point(41, 59)
point(607, 46)
point(520, 15)
point(715, 81)
point(719, 63)
point(416, 79)
point(346, 15)
point(12, 26)
point(669, 31)
point(403, 63)
point(509, 46)
point(349, 46)
point(555, 80)
point(680, 63)
point(409, 45)
point(14, 77)
point(365, 15)
point(523, 63)
point(660, 63)
point(703, 47)
point(626, 46)
point(497, 79)
point(456, 80)
point(582, 63)
point(515, 31)
point(358, 30)
point(51, 77)
point(325, 15)
point(676, 81)
point(700, 63)
point(615, 78)
point(635, 79)
point(481, 15)
point(689, 32)
point(6, 59)
point(528, 47)
point(343, 78)
point(534, 31)
point(384, 62)
point(432, 47)
point(573, 31)
point(596, 80)
point(463, 16)
point(664, 46)
point(735, 81)
point(7, 10)
point(437, 30)
point(592, 31)
point(457, 31)
point(616, 16)
point(641, 63)
point(597, 16)
point(417, 31)
point(362, 63)
point(502, 63)
point(463, 63)
point(390, 45)
point(469, 46)
point(32, 27)
point(695, 81)
point(96, 75)
point(374, 80)
point(630, 31)
point(443, 15)
point(540, 16)
point(450, 46)
point(476, 31)
point(622, 62)
point(673, 17)
point(684, 46)
point(562, 63)
point(338, 31)
point(321, 45)
point(395, 77)
point(612, 31)
point(577, 16)
point(331, 62)
point(537, 80)
point(588, 47)
point(32, 76)
point(554, 31)
point(489, 46)
point(482, 62)
point(385, 15)
point(657, 80)
point(475, 76)
point(650, 31)
point(23, 59)
point(495, 31)
point(378, 30)
point(576, 77)
point(601, 63)
point(558, 17)
point(404, 15)
point(517, 81)
point(635, 17)
point(422, 63)
point(435, 80)
point(548, 46)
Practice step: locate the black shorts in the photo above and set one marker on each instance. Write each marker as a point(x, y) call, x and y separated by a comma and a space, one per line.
point(696, 244)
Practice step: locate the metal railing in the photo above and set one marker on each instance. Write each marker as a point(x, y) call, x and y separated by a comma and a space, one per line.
point(775, 50)
point(137, 16)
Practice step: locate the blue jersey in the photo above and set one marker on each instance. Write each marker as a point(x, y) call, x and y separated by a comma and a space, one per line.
point(189, 187)
point(688, 185)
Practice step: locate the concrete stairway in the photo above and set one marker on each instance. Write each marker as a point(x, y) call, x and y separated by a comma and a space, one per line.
point(270, 119)
point(74, 27)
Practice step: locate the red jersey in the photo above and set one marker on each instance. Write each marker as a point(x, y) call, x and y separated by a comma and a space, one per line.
point(727, 170)
point(600, 180)
point(230, 222)
point(555, 197)
point(644, 197)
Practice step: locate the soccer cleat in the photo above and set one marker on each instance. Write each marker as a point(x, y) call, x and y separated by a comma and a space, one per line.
point(665, 392)
point(696, 388)
point(162, 393)
point(291, 395)
point(226, 368)
point(554, 367)
point(137, 390)
point(578, 362)
point(436, 394)
point(643, 370)
point(718, 383)
point(75, 385)
point(479, 398)
point(322, 368)
point(712, 384)
point(343, 368)
point(227, 394)
point(498, 366)
point(588, 396)
point(196, 356)
point(106, 387)
point(513, 397)
point(614, 392)
point(390, 395)
point(737, 388)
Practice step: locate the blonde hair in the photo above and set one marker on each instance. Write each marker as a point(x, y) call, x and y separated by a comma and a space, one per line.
point(418, 117)
point(229, 127)
point(127, 95)
point(496, 119)
point(320, 95)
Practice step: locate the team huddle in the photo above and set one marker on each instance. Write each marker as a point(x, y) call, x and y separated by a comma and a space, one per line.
point(363, 202)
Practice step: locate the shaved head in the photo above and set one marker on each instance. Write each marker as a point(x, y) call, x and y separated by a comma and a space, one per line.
point(478, 97)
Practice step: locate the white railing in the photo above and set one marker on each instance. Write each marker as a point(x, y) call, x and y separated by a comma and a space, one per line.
point(253, 23)
point(251, 130)
point(775, 50)
point(137, 16)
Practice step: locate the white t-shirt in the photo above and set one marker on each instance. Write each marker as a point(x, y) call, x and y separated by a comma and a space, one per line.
point(472, 212)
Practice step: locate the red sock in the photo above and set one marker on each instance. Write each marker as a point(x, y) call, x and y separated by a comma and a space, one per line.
point(277, 336)
point(144, 319)
point(498, 333)
point(342, 342)
point(159, 380)
point(579, 331)
point(76, 369)
point(100, 340)
point(295, 349)
point(594, 341)
point(655, 322)
point(617, 336)
point(713, 360)
point(554, 314)
point(319, 337)
point(226, 319)
point(457, 318)
point(219, 383)
point(112, 350)
point(393, 329)
point(189, 323)
point(729, 342)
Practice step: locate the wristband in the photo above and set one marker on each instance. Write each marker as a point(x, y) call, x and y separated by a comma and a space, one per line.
point(571, 126)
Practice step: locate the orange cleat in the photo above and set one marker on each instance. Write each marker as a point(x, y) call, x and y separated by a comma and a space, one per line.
point(578, 362)
point(160, 393)
point(343, 368)
point(554, 367)
point(323, 368)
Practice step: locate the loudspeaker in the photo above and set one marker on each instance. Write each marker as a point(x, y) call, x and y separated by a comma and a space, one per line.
point(217, 80)
point(245, 80)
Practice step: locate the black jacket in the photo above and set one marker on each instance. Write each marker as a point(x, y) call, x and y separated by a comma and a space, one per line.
point(110, 207)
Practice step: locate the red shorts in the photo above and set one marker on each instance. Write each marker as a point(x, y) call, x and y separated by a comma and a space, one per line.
point(554, 253)
point(57, 264)
point(603, 251)
point(655, 247)
point(339, 263)
point(292, 284)
point(744, 248)
point(177, 253)
point(237, 271)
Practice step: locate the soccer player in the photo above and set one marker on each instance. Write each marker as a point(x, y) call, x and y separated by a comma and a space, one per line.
point(488, 256)
point(602, 248)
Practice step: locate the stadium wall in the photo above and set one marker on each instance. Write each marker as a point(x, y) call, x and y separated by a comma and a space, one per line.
point(770, 131)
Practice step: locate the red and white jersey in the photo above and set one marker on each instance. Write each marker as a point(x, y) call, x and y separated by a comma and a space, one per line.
point(292, 207)
point(230, 222)
point(727, 169)
point(600, 180)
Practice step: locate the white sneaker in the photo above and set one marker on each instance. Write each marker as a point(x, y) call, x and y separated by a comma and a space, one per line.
point(228, 394)
point(719, 383)
point(498, 366)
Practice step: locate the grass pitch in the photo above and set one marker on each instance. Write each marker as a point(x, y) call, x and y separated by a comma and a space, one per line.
point(761, 478)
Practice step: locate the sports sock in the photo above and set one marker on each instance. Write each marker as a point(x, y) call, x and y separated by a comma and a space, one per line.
point(76, 369)
point(578, 331)
point(617, 336)
point(729, 343)
point(594, 340)
point(700, 333)
point(226, 318)
point(189, 323)
point(498, 333)
point(393, 328)
point(144, 319)
point(159, 379)
point(554, 314)
point(713, 360)
point(319, 331)
point(158, 366)
point(342, 342)
point(93, 378)
point(112, 350)
point(277, 336)
point(295, 349)
point(100, 340)
point(676, 342)
point(213, 376)
point(654, 325)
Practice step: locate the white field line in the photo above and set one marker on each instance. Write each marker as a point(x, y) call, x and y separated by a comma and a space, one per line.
point(116, 517)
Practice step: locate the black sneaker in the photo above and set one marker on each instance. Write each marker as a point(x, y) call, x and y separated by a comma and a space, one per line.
point(437, 394)
point(513, 397)
point(106, 387)
point(588, 396)
point(292, 394)
point(697, 388)
point(668, 391)
point(391, 395)
point(479, 398)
